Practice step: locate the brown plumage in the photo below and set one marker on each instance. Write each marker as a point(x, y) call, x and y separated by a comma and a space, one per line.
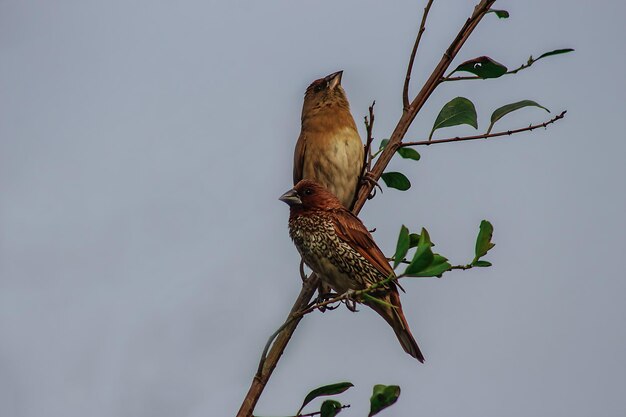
point(336, 245)
point(329, 149)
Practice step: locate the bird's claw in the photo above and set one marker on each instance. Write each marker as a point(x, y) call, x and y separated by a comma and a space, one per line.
point(349, 300)
point(325, 297)
point(368, 178)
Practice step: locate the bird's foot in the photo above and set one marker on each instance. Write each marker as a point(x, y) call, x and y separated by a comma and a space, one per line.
point(323, 297)
point(350, 301)
point(368, 178)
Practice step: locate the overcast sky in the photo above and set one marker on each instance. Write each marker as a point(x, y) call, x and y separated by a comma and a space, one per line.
point(144, 256)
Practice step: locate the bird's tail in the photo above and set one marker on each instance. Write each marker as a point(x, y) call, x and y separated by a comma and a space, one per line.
point(395, 318)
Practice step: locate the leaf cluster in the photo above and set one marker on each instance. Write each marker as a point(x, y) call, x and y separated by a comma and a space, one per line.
point(382, 397)
point(426, 263)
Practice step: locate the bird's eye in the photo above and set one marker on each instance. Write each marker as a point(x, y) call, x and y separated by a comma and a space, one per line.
point(308, 191)
point(319, 87)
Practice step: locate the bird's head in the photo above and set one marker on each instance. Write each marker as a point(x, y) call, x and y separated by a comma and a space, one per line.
point(310, 195)
point(325, 92)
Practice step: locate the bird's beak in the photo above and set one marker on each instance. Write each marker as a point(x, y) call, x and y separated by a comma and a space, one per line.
point(334, 79)
point(291, 198)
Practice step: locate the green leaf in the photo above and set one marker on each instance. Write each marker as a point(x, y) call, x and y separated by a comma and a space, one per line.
point(499, 113)
point(330, 408)
point(414, 239)
point(423, 255)
point(483, 241)
point(396, 180)
point(502, 14)
point(402, 247)
point(483, 66)
point(409, 153)
point(437, 267)
point(481, 264)
point(382, 397)
point(457, 111)
point(331, 389)
point(555, 52)
point(425, 263)
point(383, 143)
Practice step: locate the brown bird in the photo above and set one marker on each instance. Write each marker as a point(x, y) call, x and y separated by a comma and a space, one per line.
point(335, 244)
point(329, 149)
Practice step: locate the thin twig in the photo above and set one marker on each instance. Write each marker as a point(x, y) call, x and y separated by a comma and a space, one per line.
point(485, 135)
point(315, 413)
point(367, 154)
point(259, 371)
point(528, 63)
point(319, 412)
point(409, 70)
point(461, 267)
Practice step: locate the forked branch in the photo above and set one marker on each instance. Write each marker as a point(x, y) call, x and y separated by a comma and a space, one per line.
point(409, 70)
point(418, 102)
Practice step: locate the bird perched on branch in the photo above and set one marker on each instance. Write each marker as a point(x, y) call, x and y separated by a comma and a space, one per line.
point(335, 244)
point(329, 149)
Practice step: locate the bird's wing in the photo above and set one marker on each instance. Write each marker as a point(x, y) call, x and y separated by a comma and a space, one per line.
point(352, 231)
point(298, 159)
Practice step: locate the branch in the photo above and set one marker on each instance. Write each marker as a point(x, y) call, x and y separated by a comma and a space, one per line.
point(273, 356)
point(409, 70)
point(485, 135)
point(308, 288)
point(418, 102)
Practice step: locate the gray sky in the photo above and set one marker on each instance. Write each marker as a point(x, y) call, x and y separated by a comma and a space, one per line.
point(144, 256)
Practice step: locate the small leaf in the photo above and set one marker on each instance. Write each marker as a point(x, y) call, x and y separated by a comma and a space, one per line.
point(383, 143)
point(437, 267)
point(331, 389)
point(330, 408)
point(457, 111)
point(483, 241)
point(409, 153)
point(481, 264)
point(402, 247)
point(425, 263)
point(396, 180)
point(484, 67)
point(502, 14)
point(423, 255)
point(414, 239)
point(382, 397)
point(499, 113)
point(555, 52)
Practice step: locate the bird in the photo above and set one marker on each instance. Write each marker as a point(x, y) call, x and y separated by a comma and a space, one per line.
point(336, 245)
point(329, 149)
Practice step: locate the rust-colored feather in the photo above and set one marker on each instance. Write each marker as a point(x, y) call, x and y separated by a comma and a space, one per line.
point(352, 231)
